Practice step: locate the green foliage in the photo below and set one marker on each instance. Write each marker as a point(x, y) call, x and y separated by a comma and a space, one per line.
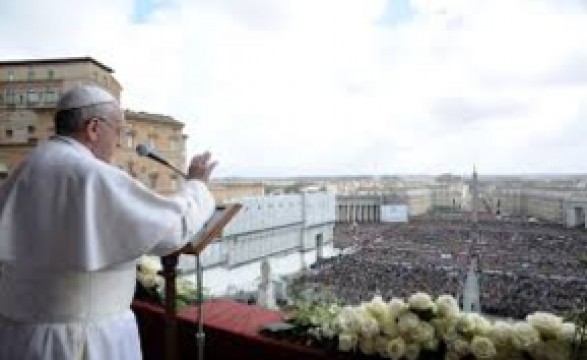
point(307, 313)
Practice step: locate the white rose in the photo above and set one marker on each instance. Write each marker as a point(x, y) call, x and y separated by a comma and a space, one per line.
point(431, 345)
point(421, 302)
point(389, 327)
point(551, 350)
point(547, 324)
point(347, 341)
point(524, 336)
point(501, 334)
point(148, 280)
point(459, 346)
point(149, 264)
point(412, 351)
point(378, 308)
point(567, 332)
point(483, 348)
point(347, 320)
point(327, 331)
point(381, 345)
point(447, 306)
point(396, 348)
point(368, 326)
point(407, 323)
point(422, 333)
point(445, 327)
point(367, 345)
point(397, 307)
point(471, 324)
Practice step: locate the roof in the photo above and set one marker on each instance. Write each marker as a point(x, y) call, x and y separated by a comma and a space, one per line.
point(141, 115)
point(65, 60)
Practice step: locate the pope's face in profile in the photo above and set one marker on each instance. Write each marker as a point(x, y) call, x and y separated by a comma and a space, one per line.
point(107, 133)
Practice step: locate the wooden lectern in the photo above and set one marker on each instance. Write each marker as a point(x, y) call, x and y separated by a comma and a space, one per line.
point(211, 231)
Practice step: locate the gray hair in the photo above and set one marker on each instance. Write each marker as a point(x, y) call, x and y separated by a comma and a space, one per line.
point(80, 104)
point(71, 121)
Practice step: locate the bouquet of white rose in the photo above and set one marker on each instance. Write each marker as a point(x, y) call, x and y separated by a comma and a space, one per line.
point(151, 284)
point(424, 328)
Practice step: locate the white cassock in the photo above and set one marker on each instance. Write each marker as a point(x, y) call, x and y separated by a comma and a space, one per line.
point(71, 231)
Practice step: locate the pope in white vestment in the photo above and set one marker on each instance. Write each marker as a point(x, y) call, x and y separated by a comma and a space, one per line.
point(72, 228)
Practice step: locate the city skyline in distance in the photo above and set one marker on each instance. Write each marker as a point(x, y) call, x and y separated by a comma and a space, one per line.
point(340, 87)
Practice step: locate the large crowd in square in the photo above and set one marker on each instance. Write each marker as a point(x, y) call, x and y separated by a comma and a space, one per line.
point(522, 266)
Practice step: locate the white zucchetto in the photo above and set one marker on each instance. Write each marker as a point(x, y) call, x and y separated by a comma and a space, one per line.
point(84, 95)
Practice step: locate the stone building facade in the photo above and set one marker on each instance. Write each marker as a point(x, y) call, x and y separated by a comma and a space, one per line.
point(419, 201)
point(29, 91)
point(160, 132)
point(543, 204)
point(227, 191)
point(268, 225)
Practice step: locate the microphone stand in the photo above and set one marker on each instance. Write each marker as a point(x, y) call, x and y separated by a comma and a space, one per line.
point(177, 171)
point(200, 335)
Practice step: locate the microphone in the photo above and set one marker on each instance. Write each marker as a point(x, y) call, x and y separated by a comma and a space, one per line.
point(146, 150)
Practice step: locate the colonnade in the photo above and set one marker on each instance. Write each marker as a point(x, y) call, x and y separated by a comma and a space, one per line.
point(358, 213)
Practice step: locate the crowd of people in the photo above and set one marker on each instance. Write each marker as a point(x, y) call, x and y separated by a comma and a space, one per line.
point(522, 267)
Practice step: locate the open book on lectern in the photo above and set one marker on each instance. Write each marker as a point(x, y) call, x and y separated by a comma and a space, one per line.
point(212, 228)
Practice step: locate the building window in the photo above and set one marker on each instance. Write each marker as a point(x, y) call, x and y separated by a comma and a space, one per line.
point(51, 96)
point(8, 133)
point(131, 169)
point(30, 129)
point(10, 75)
point(173, 182)
point(32, 96)
point(153, 180)
point(51, 74)
point(129, 141)
point(10, 96)
point(31, 74)
point(151, 141)
point(172, 144)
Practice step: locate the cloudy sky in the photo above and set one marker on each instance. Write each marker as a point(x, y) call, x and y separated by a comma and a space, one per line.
point(339, 87)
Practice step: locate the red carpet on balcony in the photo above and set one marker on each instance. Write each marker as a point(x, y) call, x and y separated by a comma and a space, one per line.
point(232, 332)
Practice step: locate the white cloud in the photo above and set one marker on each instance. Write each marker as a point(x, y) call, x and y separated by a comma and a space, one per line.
point(324, 87)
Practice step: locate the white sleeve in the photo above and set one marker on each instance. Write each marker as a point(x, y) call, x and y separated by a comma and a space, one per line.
point(198, 205)
point(73, 212)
